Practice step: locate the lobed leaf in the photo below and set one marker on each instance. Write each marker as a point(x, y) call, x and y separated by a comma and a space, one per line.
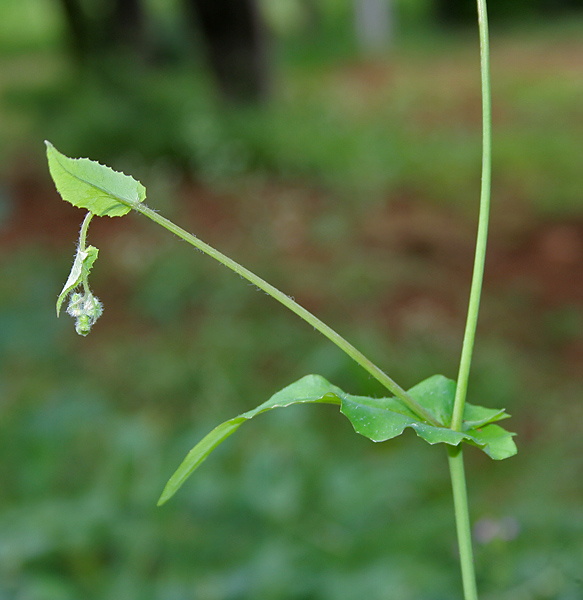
point(379, 419)
point(87, 184)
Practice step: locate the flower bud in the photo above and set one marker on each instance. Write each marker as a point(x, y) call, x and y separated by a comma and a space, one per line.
point(86, 308)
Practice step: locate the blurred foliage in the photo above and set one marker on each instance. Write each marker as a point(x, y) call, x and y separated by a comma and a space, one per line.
point(297, 506)
point(335, 121)
point(354, 190)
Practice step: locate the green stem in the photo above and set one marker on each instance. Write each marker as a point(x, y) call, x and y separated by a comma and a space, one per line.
point(456, 463)
point(82, 243)
point(332, 335)
point(83, 231)
point(462, 521)
point(480, 258)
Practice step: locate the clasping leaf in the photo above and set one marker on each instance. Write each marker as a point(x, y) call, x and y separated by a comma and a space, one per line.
point(82, 264)
point(379, 419)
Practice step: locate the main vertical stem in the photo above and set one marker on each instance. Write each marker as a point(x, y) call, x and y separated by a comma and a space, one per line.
point(456, 461)
point(462, 521)
point(480, 258)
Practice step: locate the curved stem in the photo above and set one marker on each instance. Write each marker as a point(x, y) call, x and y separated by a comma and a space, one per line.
point(82, 243)
point(480, 258)
point(332, 335)
point(83, 231)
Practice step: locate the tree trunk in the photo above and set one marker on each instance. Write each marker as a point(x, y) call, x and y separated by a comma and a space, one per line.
point(122, 27)
point(235, 41)
point(372, 21)
point(125, 26)
point(78, 30)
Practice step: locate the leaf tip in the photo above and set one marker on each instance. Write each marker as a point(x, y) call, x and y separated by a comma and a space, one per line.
point(165, 496)
point(50, 150)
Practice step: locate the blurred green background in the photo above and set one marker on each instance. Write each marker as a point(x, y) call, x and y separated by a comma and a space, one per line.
point(347, 173)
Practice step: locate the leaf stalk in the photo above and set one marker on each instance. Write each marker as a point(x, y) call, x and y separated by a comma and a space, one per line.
point(299, 310)
point(83, 231)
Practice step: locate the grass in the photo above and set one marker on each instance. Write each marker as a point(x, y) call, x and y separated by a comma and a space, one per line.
point(333, 196)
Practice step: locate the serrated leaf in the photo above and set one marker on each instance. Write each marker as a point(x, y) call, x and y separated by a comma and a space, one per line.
point(87, 184)
point(378, 419)
point(79, 271)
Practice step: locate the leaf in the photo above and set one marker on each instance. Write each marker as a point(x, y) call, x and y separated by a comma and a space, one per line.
point(379, 419)
point(311, 388)
point(436, 394)
point(87, 184)
point(79, 271)
point(495, 441)
point(477, 416)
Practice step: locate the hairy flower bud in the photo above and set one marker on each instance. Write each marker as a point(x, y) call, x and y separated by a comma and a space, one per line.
point(86, 308)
